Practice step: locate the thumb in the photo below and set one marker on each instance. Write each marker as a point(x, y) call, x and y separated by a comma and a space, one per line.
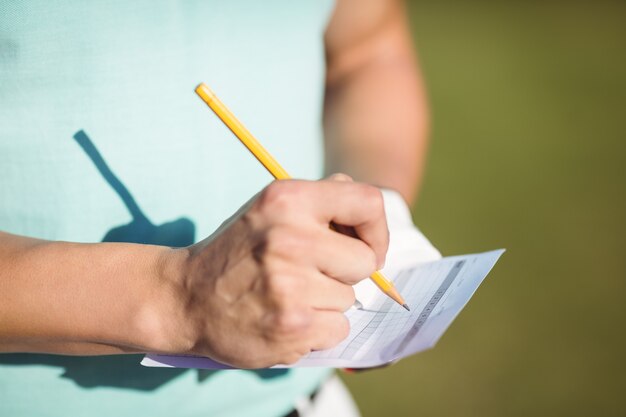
point(346, 230)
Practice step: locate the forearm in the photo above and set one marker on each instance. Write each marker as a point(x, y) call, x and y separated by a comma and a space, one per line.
point(75, 298)
point(375, 115)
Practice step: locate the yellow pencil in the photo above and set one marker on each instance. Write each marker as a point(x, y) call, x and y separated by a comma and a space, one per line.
point(274, 167)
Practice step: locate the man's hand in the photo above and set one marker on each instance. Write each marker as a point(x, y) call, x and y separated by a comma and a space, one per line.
point(267, 287)
point(273, 282)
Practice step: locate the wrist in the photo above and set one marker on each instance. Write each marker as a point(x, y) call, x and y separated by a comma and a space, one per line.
point(162, 322)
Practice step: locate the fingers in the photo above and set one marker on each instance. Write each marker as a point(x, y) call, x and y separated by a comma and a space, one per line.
point(302, 204)
point(328, 329)
point(323, 293)
point(342, 257)
point(308, 268)
point(358, 205)
point(290, 287)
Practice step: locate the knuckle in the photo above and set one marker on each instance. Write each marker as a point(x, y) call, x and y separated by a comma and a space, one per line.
point(280, 287)
point(286, 242)
point(280, 196)
point(374, 198)
point(277, 241)
point(289, 322)
point(274, 279)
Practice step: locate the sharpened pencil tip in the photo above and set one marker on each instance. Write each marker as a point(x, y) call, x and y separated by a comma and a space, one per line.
point(406, 306)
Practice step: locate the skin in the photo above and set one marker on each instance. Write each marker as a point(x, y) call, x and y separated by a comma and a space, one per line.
point(232, 294)
point(375, 113)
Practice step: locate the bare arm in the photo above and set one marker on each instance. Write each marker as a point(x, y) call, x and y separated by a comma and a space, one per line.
point(72, 298)
point(268, 287)
point(375, 115)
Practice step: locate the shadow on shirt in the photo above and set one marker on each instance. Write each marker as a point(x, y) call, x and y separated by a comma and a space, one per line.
point(124, 371)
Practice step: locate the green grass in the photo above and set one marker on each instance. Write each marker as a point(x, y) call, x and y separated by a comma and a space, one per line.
point(528, 153)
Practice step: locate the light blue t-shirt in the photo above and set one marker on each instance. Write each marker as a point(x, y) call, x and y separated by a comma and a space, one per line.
point(103, 138)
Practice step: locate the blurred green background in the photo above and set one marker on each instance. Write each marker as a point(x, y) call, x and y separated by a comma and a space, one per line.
point(528, 152)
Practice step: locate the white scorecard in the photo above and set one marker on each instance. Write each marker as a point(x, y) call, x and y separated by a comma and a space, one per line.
point(382, 331)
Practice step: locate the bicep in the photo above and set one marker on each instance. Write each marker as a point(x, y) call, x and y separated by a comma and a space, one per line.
point(361, 32)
